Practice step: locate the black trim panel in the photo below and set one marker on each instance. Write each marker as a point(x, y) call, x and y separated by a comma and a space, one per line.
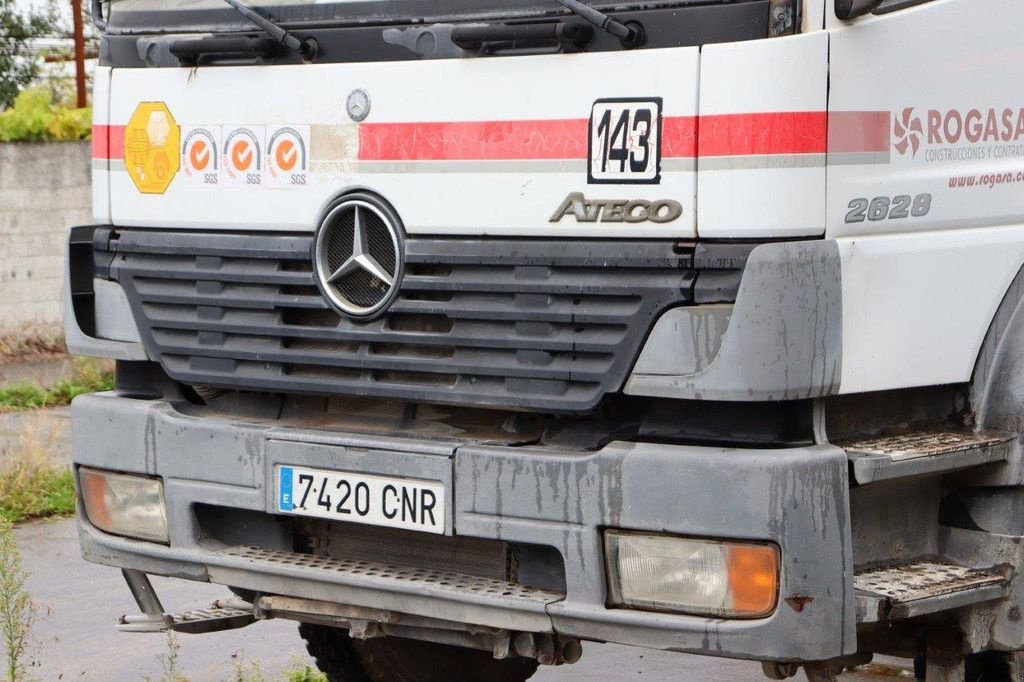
point(664, 27)
point(552, 325)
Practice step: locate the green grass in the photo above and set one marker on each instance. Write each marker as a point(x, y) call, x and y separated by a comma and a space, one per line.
point(33, 494)
point(31, 485)
point(305, 673)
point(87, 377)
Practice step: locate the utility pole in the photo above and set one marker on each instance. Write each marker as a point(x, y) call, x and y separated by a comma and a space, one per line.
point(76, 11)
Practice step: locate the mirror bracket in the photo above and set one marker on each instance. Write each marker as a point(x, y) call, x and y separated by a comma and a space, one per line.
point(851, 9)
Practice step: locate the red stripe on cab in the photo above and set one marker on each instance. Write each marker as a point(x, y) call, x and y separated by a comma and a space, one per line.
point(100, 142)
point(679, 137)
point(473, 140)
point(764, 134)
point(859, 131)
point(501, 140)
point(107, 142)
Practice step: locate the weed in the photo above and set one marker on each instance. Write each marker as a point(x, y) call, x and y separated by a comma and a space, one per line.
point(169, 661)
point(44, 341)
point(251, 672)
point(16, 609)
point(305, 674)
point(88, 376)
point(31, 485)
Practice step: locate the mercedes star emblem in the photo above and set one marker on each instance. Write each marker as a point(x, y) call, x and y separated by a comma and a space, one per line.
point(358, 255)
point(358, 105)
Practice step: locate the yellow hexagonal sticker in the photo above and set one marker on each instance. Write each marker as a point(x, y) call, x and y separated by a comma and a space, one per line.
point(151, 141)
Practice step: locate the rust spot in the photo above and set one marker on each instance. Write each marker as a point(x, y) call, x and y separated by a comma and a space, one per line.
point(798, 601)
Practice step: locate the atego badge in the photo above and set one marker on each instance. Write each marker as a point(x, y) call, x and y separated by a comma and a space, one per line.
point(617, 210)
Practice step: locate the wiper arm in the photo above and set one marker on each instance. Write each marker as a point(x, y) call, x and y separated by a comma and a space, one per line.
point(631, 34)
point(307, 48)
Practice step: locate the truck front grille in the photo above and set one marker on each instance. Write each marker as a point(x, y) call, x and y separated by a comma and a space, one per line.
point(532, 324)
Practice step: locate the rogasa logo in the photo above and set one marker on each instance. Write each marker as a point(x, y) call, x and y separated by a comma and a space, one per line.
point(953, 127)
point(908, 132)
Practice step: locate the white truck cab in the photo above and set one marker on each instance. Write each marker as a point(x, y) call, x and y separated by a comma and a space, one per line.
point(473, 332)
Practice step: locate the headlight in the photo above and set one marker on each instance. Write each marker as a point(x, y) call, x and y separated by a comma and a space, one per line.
point(122, 504)
point(700, 577)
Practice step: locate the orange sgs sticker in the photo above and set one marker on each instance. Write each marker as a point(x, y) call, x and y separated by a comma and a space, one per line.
point(243, 156)
point(287, 156)
point(200, 158)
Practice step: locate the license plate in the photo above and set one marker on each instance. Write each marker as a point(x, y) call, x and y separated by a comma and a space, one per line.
point(361, 498)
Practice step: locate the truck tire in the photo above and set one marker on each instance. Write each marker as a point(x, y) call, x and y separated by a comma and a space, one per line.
point(392, 659)
point(989, 666)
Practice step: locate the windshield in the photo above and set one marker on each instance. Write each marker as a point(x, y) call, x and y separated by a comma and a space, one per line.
point(169, 15)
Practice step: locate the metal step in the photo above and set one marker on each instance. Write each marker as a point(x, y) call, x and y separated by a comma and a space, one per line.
point(418, 591)
point(924, 587)
point(923, 453)
point(227, 614)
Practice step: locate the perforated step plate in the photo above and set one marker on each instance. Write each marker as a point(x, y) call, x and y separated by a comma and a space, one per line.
point(212, 619)
point(417, 591)
point(221, 615)
point(925, 587)
point(923, 453)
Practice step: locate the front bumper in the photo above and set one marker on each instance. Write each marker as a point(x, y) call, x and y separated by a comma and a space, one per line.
point(797, 498)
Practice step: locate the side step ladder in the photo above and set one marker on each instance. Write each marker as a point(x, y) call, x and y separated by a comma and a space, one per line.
point(924, 453)
point(925, 587)
point(224, 614)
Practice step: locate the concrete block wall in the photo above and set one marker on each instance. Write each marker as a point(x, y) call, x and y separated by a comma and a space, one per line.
point(44, 189)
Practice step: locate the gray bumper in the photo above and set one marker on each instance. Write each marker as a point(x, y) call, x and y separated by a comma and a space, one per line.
point(796, 497)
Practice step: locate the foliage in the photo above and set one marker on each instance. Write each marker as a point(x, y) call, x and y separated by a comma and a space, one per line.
point(88, 376)
point(306, 674)
point(36, 117)
point(16, 609)
point(169, 661)
point(244, 671)
point(18, 28)
point(41, 341)
point(31, 485)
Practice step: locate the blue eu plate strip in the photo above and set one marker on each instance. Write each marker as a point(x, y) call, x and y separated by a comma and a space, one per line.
point(284, 487)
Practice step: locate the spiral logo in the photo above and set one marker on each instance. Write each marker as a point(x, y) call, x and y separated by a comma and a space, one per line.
point(908, 133)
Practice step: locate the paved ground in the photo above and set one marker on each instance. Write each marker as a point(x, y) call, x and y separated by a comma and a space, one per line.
point(78, 603)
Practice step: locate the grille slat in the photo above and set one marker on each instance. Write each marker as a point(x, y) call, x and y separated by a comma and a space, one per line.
point(530, 335)
point(186, 272)
point(471, 390)
point(257, 301)
point(622, 283)
point(564, 311)
point(533, 324)
point(561, 369)
point(564, 342)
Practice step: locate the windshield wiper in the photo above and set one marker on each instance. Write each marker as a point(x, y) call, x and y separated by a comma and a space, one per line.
point(631, 34)
point(307, 48)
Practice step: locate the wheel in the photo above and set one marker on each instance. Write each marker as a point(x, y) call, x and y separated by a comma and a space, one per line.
point(993, 666)
point(984, 667)
point(392, 659)
point(779, 671)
